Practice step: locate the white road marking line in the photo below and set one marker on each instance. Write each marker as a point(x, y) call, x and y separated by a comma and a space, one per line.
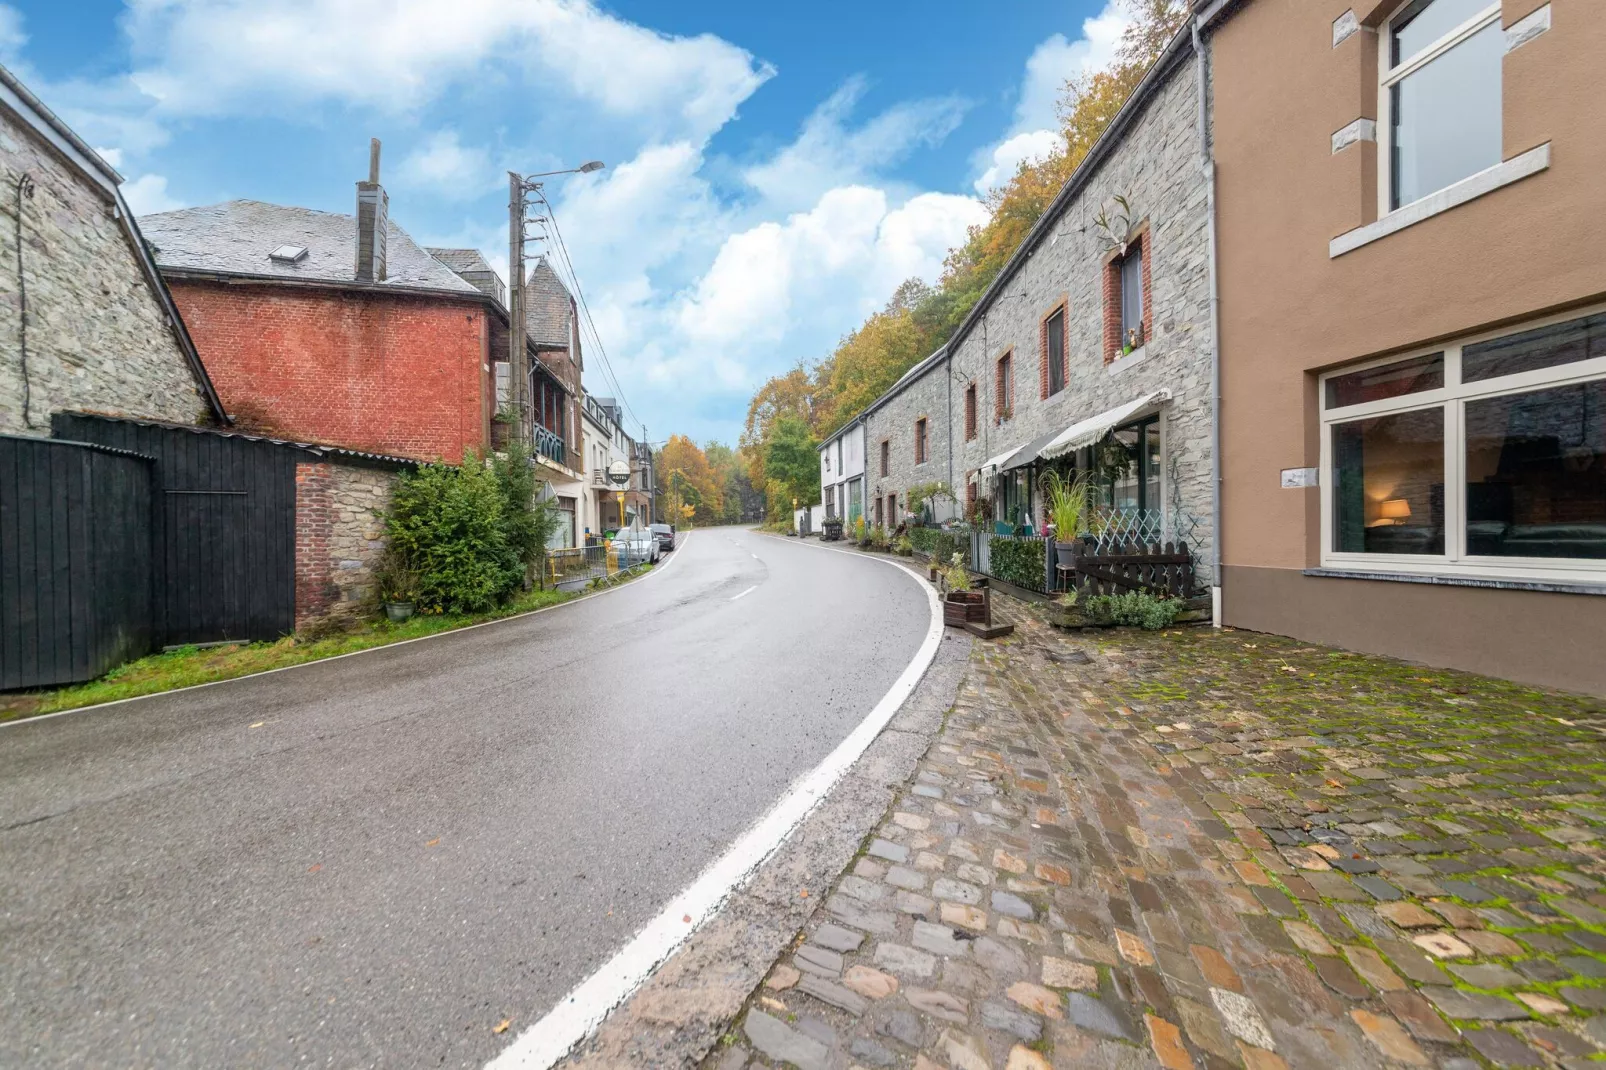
point(579, 1013)
point(750, 590)
point(657, 570)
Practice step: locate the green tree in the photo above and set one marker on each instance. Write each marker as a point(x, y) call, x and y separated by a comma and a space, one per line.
point(446, 526)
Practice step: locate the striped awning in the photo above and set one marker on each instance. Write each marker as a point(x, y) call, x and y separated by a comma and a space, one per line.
point(1090, 430)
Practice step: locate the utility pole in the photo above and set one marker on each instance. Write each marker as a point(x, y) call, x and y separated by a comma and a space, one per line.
point(517, 374)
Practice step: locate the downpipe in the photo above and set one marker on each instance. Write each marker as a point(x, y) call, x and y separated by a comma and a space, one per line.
point(1207, 165)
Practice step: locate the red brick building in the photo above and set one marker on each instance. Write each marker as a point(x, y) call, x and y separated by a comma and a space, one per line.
point(332, 328)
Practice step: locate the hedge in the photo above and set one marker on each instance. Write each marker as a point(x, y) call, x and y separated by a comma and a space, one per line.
point(1018, 561)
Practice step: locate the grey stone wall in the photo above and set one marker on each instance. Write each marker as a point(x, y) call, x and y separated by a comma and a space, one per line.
point(339, 537)
point(925, 395)
point(1156, 167)
point(98, 339)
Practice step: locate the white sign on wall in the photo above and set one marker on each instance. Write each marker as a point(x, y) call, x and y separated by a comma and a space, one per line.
point(1296, 478)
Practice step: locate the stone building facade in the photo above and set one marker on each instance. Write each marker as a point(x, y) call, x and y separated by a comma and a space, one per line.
point(101, 333)
point(1154, 166)
point(340, 535)
point(898, 455)
point(1067, 277)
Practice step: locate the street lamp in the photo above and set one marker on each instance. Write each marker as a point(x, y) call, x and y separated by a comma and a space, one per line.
point(518, 187)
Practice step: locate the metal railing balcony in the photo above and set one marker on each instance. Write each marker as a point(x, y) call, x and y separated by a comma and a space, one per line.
point(550, 446)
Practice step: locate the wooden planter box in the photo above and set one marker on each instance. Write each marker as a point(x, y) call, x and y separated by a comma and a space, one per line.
point(962, 606)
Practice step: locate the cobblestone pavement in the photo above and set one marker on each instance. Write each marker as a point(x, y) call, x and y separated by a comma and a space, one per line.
point(1215, 849)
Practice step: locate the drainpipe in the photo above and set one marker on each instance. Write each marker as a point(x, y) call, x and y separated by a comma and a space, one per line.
point(1207, 165)
point(948, 374)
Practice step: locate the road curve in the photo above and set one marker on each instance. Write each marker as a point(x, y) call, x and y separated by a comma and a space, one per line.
point(422, 841)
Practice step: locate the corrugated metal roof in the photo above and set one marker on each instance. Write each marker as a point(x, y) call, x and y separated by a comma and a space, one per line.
point(319, 448)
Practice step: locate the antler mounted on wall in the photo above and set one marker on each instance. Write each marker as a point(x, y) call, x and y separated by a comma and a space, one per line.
point(1115, 228)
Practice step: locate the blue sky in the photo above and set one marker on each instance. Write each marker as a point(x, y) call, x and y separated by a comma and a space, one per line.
point(771, 177)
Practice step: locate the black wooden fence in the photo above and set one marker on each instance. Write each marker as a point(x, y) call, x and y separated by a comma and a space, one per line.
point(76, 582)
point(1132, 565)
point(224, 527)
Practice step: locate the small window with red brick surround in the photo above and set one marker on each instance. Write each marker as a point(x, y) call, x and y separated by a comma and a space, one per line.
point(970, 412)
point(886, 456)
point(1052, 370)
point(1128, 315)
point(1004, 388)
point(920, 441)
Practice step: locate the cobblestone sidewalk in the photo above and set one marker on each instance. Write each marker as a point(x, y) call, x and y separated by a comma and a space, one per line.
point(1203, 849)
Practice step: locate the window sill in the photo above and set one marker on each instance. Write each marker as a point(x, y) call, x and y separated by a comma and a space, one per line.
point(1468, 189)
point(1121, 364)
point(1544, 586)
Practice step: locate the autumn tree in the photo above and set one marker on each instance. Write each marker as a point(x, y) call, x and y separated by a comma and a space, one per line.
point(686, 477)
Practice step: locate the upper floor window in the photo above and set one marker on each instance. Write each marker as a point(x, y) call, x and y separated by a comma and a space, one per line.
point(886, 457)
point(920, 441)
point(970, 412)
point(1131, 268)
point(1440, 95)
point(1054, 352)
point(1004, 388)
point(1486, 457)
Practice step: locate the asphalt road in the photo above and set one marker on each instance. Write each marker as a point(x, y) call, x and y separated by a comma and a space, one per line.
point(420, 841)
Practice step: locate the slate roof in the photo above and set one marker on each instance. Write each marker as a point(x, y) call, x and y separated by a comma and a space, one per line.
point(459, 260)
point(235, 238)
point(546, 307)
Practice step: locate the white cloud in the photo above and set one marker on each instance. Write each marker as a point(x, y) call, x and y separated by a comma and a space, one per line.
point(111, 156)
point(206, 57)
point(12, 37)
point(147, 194)
point(444, 167)
point(1056, 61)
point(828, 153)
point(1007, 156)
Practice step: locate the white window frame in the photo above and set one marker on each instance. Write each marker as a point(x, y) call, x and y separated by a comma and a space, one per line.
point(1388, 77)
point(1452, 398)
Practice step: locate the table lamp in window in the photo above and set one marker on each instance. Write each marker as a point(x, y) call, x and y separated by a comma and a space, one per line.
point(1395, 511)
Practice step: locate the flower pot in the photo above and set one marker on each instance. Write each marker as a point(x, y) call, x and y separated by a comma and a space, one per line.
point(933, 570)
point(1065, 553)
point(398, 611)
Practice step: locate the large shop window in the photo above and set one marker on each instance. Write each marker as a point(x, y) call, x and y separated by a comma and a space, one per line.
point(1486, 458)
point(1440, 92)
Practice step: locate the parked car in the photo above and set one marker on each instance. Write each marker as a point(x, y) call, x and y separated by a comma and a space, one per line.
point(635, 545)
point(665, 534)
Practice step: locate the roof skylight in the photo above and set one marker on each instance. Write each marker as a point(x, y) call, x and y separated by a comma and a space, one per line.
point(289, 254)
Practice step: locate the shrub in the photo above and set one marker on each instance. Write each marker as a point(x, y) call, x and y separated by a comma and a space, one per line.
point(1136, 608)
point(1017, 561)
point(447, 527)
point(923, 539)
point(903, 547)
point(527, 522)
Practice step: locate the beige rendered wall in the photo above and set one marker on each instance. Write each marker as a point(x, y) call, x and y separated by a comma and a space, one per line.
point(1281, 89)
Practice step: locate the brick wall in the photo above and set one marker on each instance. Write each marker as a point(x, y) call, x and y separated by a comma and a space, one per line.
point(386, 373)
point(338, 540)
point(98, 338)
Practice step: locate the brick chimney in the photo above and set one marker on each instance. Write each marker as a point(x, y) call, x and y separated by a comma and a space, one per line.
point(373, 221)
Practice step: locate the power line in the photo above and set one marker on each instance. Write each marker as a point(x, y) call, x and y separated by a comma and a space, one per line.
point(574, 276)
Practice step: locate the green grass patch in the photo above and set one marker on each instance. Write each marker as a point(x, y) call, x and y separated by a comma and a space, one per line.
point(187, 666)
